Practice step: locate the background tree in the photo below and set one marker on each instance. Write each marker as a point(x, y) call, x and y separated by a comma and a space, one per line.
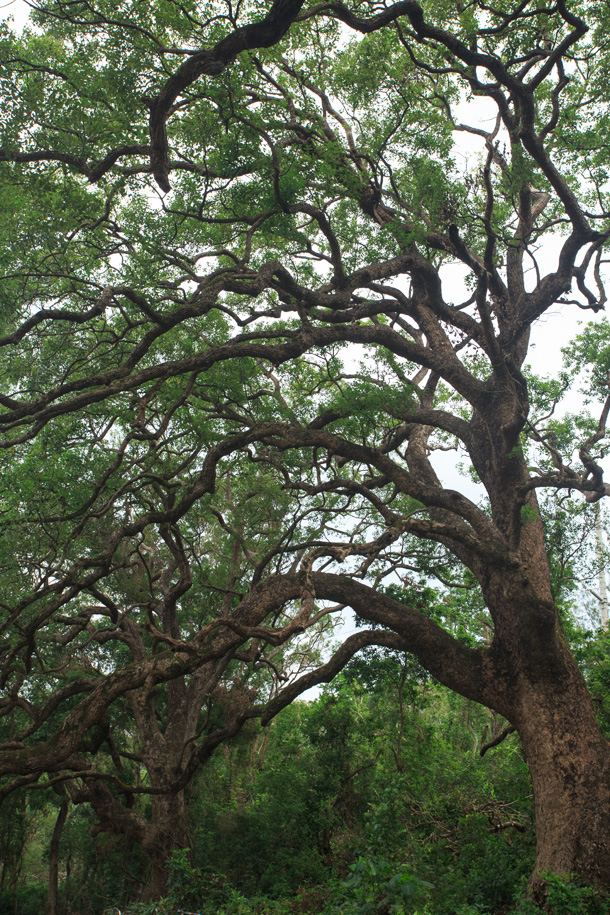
point(315, 203)
point(162, 593)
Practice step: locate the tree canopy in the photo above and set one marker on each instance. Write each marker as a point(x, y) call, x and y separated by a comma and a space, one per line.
point(233, 342)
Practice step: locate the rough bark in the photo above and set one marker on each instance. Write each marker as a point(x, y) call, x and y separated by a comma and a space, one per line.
point(569, 764)
point(54, 852)
point(549, 705)
point(167, 832)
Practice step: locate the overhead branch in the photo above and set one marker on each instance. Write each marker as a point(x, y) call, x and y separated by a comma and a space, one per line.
point(212, 61)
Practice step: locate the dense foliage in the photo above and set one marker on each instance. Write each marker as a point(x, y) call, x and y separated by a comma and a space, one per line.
point(368, 799)
point(233, 349)
point(330, 806)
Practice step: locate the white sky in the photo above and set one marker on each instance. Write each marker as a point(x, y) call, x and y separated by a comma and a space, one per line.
point(17, 9)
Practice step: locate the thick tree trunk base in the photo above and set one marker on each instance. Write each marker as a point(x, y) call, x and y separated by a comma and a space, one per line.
point(569, 761)
point(168, 833)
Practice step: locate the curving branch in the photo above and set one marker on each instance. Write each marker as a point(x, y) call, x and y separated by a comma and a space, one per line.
point(263, 34)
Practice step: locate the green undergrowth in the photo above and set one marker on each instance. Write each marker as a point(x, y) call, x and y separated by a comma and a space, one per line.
point(374, 886)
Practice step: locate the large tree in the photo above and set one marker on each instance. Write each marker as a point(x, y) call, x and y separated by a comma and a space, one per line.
point(247, 237)
point(163, 647)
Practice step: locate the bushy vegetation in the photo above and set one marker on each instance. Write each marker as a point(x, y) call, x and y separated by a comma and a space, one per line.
point(372, 799)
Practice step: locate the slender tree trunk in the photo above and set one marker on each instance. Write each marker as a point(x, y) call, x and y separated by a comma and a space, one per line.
point(54, 853)
point(601, 574)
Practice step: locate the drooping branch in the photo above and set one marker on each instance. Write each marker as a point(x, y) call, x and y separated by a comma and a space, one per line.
point(326, 672)
point(468, 670)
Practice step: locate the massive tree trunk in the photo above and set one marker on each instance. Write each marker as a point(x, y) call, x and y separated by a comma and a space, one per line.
point(164, 831)
point(547, 701)
point(167, 832)
point(569, 764)
point(542, 691)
